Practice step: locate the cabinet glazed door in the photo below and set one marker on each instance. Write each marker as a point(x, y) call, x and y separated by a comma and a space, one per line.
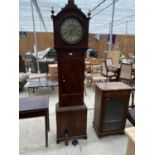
point(114, 114)
point(71, 78)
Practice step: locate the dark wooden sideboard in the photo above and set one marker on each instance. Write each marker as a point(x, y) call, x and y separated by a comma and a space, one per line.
point(111, 106)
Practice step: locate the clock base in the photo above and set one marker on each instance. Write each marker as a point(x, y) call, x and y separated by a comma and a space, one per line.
point(71, 122)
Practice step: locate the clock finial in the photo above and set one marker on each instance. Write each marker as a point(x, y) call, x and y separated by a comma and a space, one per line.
point(70, 1)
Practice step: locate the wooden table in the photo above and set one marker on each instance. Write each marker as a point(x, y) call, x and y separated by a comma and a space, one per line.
point(35, 107)
point(130, 132)
point(31, 85)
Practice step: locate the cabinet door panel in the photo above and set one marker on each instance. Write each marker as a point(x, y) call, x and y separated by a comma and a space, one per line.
point(114, 114)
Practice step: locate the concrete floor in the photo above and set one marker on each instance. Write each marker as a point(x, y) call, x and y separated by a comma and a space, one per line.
point(32, 132)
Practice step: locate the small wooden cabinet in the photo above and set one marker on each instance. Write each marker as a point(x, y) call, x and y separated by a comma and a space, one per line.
point(111, 106)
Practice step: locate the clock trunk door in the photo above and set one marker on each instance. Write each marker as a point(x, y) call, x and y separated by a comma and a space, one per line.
point(71, 79)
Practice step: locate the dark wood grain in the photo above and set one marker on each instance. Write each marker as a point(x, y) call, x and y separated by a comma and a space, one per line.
point(73, 120)
point(111, 106)
point(71, 111)
point(37, 106)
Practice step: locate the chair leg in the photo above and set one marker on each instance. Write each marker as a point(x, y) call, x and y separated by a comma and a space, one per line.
point(132, 99)
point(133, 95)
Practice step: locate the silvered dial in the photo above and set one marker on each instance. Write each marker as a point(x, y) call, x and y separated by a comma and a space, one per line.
point(71, 30)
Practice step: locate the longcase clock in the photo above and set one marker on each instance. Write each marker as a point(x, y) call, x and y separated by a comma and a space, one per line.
point(71, 42)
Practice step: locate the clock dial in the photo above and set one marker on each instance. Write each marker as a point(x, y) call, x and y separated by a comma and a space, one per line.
point(71, 30)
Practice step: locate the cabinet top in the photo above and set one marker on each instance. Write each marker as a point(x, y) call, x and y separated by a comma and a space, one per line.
point(112, 86)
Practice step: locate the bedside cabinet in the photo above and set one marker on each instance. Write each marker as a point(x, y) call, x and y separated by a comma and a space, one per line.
point(111, 107)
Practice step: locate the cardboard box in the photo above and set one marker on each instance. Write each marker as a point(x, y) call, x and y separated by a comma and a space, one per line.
point(53, 71)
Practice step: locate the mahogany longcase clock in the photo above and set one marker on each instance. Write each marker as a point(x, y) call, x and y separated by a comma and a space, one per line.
point(71, 41)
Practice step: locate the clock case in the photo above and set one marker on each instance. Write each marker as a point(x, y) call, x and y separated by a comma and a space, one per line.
point(71, 111)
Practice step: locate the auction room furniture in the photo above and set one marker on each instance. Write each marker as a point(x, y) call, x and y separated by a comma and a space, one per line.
point(35, 107)
point(53, 71)
point(43, 65)
point(22, 80)
point(93, 70)
point(125, 74)
point(39, 82)
point(70, 43)
point(131, 109)
point(96, 75)
point(118, 66)
point(131, 115)
point(130, 132)
point(108, 74)
point(111, 107)
point(108, 62)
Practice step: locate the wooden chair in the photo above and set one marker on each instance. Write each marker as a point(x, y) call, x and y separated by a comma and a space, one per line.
point(110, 76)
point(126, 73)
point(92, 70)
point(126, 77)
point(108, 62)
point(131, 115)
point(109, 65)
point(96, 75)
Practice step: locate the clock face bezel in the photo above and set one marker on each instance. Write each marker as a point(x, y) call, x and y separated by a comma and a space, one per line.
point(65, 27)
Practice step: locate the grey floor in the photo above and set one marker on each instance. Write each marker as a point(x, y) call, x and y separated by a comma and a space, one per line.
point(32, 132)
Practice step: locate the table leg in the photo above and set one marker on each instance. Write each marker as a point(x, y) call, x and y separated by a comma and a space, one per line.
point(29, 91)
point(132, 94)
point(33, 89)
point(48, 120)
point(46, 128)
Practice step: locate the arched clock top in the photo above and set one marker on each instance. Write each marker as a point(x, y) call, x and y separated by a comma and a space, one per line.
point(71, 8)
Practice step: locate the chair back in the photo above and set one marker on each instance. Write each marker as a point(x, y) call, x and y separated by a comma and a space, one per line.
point(108, 62)
point(104, 68)
point(125, 72)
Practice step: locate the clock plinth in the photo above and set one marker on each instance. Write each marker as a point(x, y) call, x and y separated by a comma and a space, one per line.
point(71, 42)
point(71, 121)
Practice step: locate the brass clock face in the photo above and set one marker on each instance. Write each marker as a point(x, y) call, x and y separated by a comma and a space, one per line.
point(71, 30)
